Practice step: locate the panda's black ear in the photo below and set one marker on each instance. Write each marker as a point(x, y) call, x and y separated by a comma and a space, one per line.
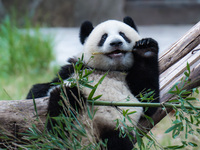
point(129, 21)
point(85, 30)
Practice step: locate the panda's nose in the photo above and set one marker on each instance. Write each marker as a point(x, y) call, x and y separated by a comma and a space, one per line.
point(116, 43)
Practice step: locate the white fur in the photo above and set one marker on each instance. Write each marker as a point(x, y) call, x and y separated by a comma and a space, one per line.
point(112, 28)
point(113, 89)
point(67, 83)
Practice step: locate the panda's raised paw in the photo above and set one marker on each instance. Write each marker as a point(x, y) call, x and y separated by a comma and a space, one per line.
point(146, 43)
point(147, 47)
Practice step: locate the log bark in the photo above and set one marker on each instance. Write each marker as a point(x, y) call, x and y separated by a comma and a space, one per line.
point(172, 67)
point(181, 48)
point(18, 115)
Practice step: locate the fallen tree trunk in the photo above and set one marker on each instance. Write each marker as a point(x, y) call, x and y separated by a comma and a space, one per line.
point(173, 64)
point(17, 116)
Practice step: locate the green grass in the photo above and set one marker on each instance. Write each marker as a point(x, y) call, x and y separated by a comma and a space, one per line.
point(25, 56)
point(23, 51)
point(166, 139)
point(16, 87)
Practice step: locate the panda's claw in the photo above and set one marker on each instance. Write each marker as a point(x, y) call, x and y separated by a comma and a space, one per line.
point(146, 43)
point(146, 47)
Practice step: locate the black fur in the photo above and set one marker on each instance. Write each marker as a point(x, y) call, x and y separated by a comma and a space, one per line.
point(114, 141)
point(38, 90)
point(41, 90)
point(85, 30)
point(129, 21)
point(103, 39)
point(55, 109)
point(142, 76)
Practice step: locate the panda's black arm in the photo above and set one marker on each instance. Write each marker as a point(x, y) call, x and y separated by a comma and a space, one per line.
point(38, 90)
point(65, 72)
point(144, 74)
point(41, 90)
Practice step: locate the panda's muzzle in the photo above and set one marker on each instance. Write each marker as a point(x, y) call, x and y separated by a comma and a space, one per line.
point(116, 53)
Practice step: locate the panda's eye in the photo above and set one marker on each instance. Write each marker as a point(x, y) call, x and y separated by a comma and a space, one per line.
point(104, 36)
point(125, 37)
point(103, 39)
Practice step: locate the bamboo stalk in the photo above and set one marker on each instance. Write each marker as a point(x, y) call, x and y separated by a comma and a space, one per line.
point(142, 104)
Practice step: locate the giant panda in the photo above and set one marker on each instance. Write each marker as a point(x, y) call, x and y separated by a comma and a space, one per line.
point(131, 63)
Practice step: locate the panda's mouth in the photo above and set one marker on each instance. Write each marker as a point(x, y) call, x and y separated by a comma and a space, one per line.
point(116, 53)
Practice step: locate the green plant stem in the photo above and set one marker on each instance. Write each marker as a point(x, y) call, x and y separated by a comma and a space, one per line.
point(141, 104)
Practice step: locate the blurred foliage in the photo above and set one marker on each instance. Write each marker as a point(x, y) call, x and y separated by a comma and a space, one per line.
point(23, 50)
point(25, 56)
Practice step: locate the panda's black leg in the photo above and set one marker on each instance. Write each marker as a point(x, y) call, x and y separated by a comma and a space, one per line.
point(114, 141)
point(55, 108)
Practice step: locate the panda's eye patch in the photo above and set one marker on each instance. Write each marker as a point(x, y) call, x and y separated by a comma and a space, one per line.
point(125, 37)
point(103, 39)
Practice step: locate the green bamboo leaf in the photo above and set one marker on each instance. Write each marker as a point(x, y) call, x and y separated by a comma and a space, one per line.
point(139, 140)
point(55, 83)
point(186, 74)
point(87, 73)
point(89, 113)
point(124, 112)
point(196, 90)
point(188, 67)
point(190, 98)
point(174, 127)
point(150, 119)
point(132, 112)
point(177, 121)
point(175, 147)
point(192, 144)
point(95, 87)
point(117, 124)
point(191, 119)
point(198, 130)
point(86, 85)
point(61, 80)
point(173, 101)
point(177, 89)
point(102, 78)
point(91, 93)
point(173, 87)
point(96, 98)
point(191, 106)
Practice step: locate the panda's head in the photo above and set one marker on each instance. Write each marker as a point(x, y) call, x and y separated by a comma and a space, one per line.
point(110, 43)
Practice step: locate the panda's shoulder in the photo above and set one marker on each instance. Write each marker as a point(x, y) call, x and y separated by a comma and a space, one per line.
point(66, 71)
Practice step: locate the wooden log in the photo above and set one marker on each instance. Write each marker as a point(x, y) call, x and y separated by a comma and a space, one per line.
point(181, 48)
point(18, 115)
point(173, 64)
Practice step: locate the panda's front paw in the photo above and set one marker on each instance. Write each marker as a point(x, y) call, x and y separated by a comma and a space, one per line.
point(146, 47)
